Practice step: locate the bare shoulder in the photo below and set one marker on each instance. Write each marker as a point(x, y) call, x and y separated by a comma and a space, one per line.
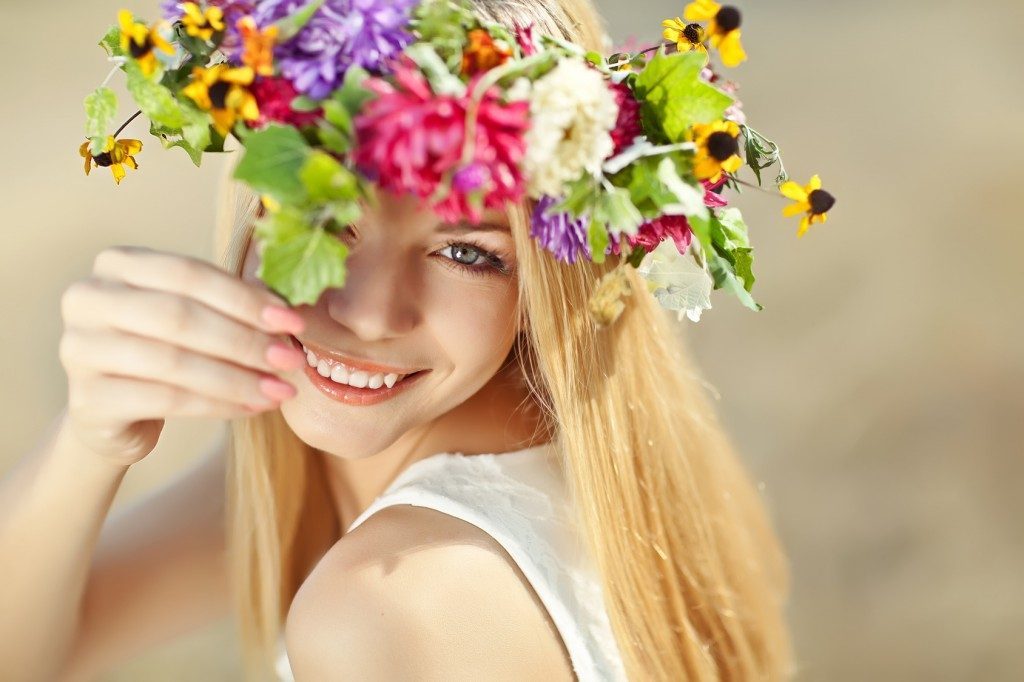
point(413, 593)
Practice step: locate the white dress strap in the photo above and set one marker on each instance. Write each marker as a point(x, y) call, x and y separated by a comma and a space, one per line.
point(519, 498)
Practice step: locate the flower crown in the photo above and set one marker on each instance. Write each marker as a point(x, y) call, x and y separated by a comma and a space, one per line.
point(624, 155)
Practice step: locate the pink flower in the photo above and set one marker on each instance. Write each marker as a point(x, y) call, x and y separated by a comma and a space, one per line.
point(274, 95)
point(527, 39)
point(411, 140)
point(627, 125)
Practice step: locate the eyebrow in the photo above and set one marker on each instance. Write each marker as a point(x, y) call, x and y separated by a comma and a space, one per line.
point(483, 226)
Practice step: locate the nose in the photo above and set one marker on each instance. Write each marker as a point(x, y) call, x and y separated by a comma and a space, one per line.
point(379, 299)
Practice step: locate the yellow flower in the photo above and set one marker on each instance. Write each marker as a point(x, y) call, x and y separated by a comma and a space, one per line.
point(202, 24)
point(718, 149)
point(270, 204)
point(723, 27)
point(258, 44)
point(811, 200)
point(221, 90)
point(116, 154)
point(686, 36)
point(139, 41)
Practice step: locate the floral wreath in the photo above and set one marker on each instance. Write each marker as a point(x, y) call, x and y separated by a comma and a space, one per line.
point(627, 154)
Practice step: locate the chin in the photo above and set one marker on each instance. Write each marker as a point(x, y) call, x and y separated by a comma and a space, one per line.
point(350, 436)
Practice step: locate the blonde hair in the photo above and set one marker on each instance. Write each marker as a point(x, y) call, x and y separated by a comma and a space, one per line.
point(693, 575)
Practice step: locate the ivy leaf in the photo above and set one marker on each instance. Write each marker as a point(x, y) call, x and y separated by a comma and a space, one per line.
point(673, 96)
point(299, 261)
point(615, 208)
point(676, 280)
point(272, 161)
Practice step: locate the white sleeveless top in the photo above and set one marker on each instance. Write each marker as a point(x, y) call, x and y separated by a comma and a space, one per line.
point(519, 498)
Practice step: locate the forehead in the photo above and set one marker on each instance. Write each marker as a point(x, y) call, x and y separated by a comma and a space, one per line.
point(408, 209)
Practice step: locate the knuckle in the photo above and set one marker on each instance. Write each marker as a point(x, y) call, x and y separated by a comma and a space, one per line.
point(173, 360)
point(178, 314)
point(72, 296)
point(67, 348)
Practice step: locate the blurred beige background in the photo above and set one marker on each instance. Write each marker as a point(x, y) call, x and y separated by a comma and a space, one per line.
point(878, 396)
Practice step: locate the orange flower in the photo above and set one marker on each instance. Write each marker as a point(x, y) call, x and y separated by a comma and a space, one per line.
point(258, 45)
point(482, 53)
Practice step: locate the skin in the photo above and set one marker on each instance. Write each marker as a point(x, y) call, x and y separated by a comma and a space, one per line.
point(406, 302)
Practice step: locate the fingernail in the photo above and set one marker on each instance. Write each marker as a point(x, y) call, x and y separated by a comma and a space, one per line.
point(277, 389)
point(283, 318)
point(285, 356)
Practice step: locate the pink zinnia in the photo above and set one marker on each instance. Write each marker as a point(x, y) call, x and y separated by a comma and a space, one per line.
point(410, 140)
point(274, 96)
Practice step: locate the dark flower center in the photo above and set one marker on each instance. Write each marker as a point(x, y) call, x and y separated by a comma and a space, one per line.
point(722, 146)
point(136, 50)
point(693, 33)
point(103, 159)
point(820, 201)
point(218, 93)
point(728, 18)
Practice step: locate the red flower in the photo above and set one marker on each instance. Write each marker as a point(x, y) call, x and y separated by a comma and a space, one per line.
point(274, 95)
point(411, 140)
point(627, 125)
point(676, 227)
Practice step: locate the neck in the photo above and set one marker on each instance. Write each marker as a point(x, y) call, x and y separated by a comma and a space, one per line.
point(501, 417)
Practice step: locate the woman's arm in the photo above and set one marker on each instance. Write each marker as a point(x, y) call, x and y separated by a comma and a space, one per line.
point(79, 596)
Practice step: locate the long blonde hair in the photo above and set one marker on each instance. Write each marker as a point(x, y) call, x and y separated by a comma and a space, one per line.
point(693, 575)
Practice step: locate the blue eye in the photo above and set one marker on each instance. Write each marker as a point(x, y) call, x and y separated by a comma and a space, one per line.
point(473, 258)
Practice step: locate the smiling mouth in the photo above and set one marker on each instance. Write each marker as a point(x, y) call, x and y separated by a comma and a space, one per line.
point(350, 375)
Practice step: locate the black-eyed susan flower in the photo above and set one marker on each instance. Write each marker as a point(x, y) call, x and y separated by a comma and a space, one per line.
point(202, 23)
point(116, 155)
point(222, 90)
point(140, 41)
point(257, 45)
point(686, 36)
point(718, 149)
point(723, 28)
point(811, 200)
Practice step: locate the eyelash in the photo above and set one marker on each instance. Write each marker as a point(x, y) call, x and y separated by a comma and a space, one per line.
point(493, 263)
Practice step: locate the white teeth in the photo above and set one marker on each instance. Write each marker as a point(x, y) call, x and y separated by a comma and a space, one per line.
point(357, 378)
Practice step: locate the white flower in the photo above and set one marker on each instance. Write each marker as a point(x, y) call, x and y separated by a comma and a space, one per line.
point(572, 111)
point(677, 281)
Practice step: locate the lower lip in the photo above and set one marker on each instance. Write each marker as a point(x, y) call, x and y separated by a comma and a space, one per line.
point(351, 395)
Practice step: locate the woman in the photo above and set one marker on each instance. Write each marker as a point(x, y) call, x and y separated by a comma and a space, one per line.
point(502, 491)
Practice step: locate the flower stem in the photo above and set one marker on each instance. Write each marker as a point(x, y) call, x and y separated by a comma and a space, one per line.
point(127, 122)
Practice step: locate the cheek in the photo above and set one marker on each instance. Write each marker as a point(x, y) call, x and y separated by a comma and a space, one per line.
point(474, 323)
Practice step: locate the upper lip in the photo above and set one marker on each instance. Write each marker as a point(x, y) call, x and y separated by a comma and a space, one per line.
point(354, 363)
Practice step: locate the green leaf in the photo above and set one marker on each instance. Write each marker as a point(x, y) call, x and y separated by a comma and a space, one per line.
point(615, 209)
point(289, 26)
point(156, 101)
point(272, 161)
point(597, 236)
point(326, 179)
point(299, 261)
point(442, 80)
point(337, 115)
point(673, 96)
point(352, 94)
point(111, 41)
point(100, 109)
point(725, 277)
point(304, 103)
point(581, 195)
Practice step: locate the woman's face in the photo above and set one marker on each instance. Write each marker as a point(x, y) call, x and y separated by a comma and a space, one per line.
point(434, 300)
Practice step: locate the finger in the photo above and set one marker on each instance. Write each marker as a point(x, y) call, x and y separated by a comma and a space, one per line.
point(176, 320)
point(197, 279)
point(150, 400)
point(88, 351)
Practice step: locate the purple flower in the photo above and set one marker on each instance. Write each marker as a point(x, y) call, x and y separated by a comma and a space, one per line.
point(560, 233)
point(470, 178)
point(341, 33)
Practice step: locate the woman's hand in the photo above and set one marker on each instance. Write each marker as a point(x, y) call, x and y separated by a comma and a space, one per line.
point(152, 335)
